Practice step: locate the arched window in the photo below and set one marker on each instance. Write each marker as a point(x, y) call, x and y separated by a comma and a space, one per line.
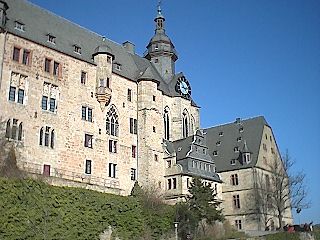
point(8, 129)
point(112, 123)
point(185, 123)
point(166, 120)
point(47, 137)
point(20, 132)
point(192, 125)
point(41, 136)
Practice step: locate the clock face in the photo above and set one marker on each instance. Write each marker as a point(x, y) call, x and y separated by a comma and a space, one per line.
point(183, 87)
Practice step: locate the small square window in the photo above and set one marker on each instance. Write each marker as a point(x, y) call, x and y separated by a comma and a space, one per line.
point(88, 167)
point(83, 77)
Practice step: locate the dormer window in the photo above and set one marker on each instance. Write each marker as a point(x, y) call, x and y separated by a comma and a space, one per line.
point(241, 129)
point(218, 143)
point(77, 49)
point(246, 157)
point(233, 162)
point(220, 134)
point(156, 47)
point(19, 26)
point(215, 153)
point(118, 66)
point(51, 39)
point(236, 149)
point(239, 139)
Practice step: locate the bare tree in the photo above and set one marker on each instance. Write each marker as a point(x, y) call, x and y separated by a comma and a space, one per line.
point(287, 188)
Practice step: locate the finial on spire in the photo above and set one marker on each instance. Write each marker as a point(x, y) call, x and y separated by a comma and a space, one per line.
point(159, 7)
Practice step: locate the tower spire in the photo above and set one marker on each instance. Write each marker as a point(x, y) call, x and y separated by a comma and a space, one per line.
point(159, 18)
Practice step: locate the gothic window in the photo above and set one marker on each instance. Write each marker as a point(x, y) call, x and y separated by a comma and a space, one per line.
point(47, 137)
point(185, 124)
point(14, 129)
point(166, 123)
point(112, 122)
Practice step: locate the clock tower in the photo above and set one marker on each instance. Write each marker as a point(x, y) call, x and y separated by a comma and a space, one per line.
point(161, 51)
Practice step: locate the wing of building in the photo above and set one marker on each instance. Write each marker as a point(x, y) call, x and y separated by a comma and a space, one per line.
point(86, 111)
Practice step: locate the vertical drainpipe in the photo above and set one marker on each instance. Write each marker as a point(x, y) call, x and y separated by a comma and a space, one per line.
point(137, 165)
point(3, 47)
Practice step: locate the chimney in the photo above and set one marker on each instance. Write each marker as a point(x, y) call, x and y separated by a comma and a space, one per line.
point(129, 46)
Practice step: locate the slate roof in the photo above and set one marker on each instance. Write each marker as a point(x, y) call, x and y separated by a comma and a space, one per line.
point(40, 22)
point(187, 150)
point(251, 133)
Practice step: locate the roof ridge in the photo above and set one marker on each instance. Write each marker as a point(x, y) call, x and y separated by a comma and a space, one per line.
point(70, 22)
point(242, 120)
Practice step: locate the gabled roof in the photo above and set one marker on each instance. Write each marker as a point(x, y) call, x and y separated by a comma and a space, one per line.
point(227, 138)
point(39, 23)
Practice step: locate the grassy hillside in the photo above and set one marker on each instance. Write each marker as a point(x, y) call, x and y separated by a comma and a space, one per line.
point(34, 210)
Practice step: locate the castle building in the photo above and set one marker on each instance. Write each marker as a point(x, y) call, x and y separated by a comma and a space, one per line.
point(85, 111)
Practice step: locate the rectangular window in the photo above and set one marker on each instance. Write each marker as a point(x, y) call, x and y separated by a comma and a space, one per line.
point(236, 201)
point(174, 183)
point(56, 68)
point(129, 97)
point(113, 146)
point(133, 151)
point(264, 146)
point(169, 164)
point(20, 96)
point(52, 105)
point(47, 64)
point(135, 126)
point(234, 179)
point(131, 125)
point(169, 184)
point(88, 140)
point(156, 157)
point(12, 94)
point(86, 113)
point(83, 77)
point(112, 170)
point(16, 54)
point(26, 57)
point(108, 83)
point(133, 174)
point(44, 103)
point(238, 224)
point(88, 167)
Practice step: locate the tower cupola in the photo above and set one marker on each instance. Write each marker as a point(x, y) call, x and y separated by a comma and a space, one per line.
point(160, 50)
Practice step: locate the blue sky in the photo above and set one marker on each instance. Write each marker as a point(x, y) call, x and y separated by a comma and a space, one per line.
point(243, 59)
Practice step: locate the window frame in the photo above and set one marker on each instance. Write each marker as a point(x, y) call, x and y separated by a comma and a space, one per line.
point(88, 140)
